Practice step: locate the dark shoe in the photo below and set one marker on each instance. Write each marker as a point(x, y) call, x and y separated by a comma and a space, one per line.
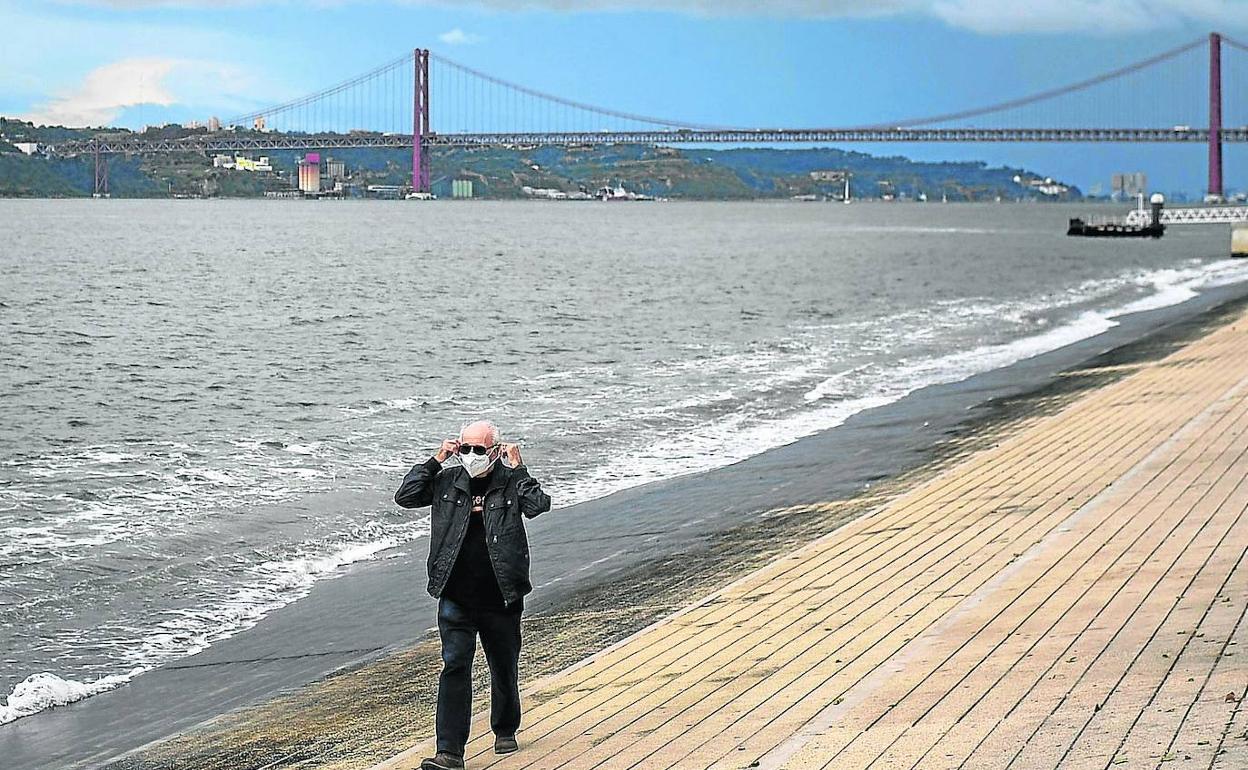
point(442, 761)
point(505, 744)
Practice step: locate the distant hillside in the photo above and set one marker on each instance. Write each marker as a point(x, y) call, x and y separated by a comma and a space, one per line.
point(498, 172)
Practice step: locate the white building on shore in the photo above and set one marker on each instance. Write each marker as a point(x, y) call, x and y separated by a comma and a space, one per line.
point(242, 163)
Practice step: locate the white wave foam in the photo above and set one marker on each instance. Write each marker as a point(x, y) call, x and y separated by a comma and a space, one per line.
point(738, 436)
point(302, 473)
point(303, 449)
point(832, 384)
point(271, 585)
point(209, 474)
point(45, 690)
point(109, 458)
point(154, 490)
point(401, 404)
point(692, 402)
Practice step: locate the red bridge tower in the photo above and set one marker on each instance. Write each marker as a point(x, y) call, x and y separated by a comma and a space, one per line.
point(1215, 115)
point(420, 121)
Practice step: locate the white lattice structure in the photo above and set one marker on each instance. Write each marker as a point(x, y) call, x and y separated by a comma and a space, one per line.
point(1192, 215)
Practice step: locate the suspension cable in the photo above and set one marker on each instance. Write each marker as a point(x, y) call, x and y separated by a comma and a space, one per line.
point(332, 90)
point(1042, 95)
point(551, 99)
point(569, 102)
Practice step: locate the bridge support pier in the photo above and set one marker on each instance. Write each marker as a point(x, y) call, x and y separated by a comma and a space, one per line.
point(420, 121)
point(101, 173)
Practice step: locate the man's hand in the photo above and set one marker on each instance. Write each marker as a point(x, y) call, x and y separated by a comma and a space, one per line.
point(449, 447)
point(512, 453)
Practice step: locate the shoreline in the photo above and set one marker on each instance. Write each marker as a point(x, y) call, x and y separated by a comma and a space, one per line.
point(884, 443)
point(731, 443)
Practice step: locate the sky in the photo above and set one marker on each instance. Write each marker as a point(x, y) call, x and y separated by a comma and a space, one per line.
point(777, 63)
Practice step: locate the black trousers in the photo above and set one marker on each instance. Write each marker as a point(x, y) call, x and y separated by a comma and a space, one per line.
point(500, 638)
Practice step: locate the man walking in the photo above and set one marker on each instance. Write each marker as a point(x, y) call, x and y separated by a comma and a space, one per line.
point(479, 572)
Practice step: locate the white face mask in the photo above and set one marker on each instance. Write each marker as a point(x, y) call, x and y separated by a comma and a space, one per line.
point(477, 465)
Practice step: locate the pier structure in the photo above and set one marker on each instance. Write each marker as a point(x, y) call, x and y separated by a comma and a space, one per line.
point(1191, 215)
point(1234, 215)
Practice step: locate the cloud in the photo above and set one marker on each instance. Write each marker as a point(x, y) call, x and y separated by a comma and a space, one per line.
point(107, 90)
point(140, 4)
point(1099, 17)
point(699, 7)
point(1095, 16)
point(458, 37)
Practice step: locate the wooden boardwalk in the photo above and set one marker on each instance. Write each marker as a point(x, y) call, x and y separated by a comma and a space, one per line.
point(1073, 597)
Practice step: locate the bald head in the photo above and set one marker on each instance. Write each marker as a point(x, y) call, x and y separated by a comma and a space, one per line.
point(481, 433)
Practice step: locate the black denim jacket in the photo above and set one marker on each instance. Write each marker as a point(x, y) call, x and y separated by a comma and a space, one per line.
point(512, 495)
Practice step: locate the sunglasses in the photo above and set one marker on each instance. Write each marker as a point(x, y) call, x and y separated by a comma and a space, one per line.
point(465, 449)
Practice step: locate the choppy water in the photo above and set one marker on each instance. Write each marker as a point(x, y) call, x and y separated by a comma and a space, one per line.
point(206, 406)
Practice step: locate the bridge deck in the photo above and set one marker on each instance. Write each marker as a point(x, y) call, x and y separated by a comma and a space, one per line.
point(1073, 597)
point(227, 141)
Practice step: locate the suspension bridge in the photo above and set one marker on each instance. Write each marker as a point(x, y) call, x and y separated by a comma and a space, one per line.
point(1175, 96)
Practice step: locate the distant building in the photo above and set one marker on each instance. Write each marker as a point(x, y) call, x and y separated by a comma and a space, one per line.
point(837, 177)
point(385, 190)
point(1128, 185)
point(242, 163)
point(828, 176)
point(1050, 188)
point(310, 173)
point(538, 192)
point(214, 124)
point(461, 188)
point(192, 124)
point(27, 148)
point(335, 169)
point(258, 123)
point(1046, 186)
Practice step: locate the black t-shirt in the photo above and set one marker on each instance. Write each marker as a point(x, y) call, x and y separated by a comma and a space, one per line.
point(472, 582)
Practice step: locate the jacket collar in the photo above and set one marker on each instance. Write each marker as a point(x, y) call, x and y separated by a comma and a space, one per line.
point(498, 477)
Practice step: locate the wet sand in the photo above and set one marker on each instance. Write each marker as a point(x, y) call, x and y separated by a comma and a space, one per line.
point(604, 569)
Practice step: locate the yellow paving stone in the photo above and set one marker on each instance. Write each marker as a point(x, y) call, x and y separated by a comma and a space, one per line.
point(1073, 596)
point(1163, 649)
point(1215, 639)
point(896, 680)
point(1110, 663)
point(1012, 656)
point(1184, 664)
point(770, 685)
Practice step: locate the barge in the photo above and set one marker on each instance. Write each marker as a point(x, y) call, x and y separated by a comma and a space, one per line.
point(1114, 229)
point(1118, 228)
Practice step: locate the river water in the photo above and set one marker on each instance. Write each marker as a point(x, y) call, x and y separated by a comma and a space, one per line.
point(205, 406)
